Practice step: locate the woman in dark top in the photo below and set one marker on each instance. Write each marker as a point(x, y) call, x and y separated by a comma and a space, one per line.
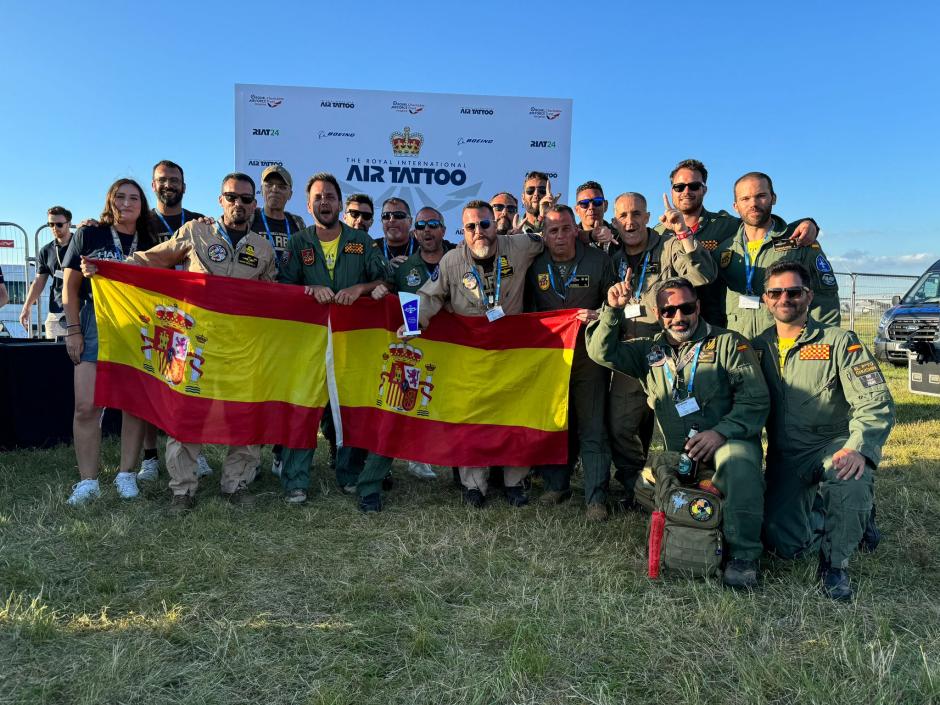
point(123, 228)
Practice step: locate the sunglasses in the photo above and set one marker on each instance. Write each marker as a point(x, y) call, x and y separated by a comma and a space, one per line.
point(472, 227)
point(535, 189)
point(687, 308)
point(692, 186)
point(792, 292)
point(397, 215)
point(232, 197)
point(500, 207)
point(57, 225)
point(422, 224)
point(365, 215)
point(597, 202)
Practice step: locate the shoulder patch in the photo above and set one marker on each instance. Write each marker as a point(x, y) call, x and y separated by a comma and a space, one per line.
point(742, 347)
point(815, 246)
point(868, 374)
point(544, 282)
point(725, 258)
point(815, 351)
point(828, 279)
point(308, 256)
point(354, 248)
point(854, 348)
point(822, 265)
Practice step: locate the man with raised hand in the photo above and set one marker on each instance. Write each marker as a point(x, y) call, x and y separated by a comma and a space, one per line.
point(506, 210)
point(271, 220)
point(651, 258)
point(591, 205)
point(397, 243)
point(831, 413)
point(698, 374)
point(572, 275)
point(537, 197)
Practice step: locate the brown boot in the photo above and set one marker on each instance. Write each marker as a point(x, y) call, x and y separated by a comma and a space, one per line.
point(239, 498)
point(596, 512)
point(553, 497)
point(181, 504)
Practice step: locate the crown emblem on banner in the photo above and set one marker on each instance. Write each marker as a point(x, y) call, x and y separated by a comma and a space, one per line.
point(172, 317)
point(402, 352)
point(407, 143)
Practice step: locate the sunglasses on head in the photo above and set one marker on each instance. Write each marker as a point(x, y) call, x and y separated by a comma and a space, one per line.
point(422, 224)
point(365, 215)
point(792, 292)
point(687, 308)
point(500, 207)
point(397, 215)
point(692, 186)
point(232, 197)
point(57, 225)
point(535, 189)
point(472, 227)
point(597, 202)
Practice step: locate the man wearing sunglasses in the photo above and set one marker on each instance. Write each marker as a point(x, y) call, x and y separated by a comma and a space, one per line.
point(590, 205)
point(760, 240)
point(831, 414)
point(570, 274)
point(49, 264)
point(537, 197)
point(360, 212)
point(483, 276)
point(506, 210)
point(696, 373)
point(397, 244)
point(271, 220)
point(169, 187)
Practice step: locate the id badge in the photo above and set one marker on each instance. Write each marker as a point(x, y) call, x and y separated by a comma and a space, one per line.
point(495, 313)
point(748, 301)
point(687, 406)
point(633, 311)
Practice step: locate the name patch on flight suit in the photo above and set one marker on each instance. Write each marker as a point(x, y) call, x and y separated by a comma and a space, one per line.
point(868, 374)
point(505, 269)
point(816, 351)
point(308, 256)
point(581, 281)
point(652, 268)
point(784, 245)
point(709, 244)
point(353, 248)
point(725, 259)
point(544, 282)
point(247, 259)
point(709, 350)
point(217, 253)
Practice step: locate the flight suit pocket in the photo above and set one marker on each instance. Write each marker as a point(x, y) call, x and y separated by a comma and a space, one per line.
point(822, 393)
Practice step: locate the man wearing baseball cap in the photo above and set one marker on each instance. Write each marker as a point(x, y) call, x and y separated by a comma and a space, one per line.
point(272, 220)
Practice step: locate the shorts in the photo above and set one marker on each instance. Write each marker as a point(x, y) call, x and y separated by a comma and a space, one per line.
point(89, 332)
point(54, 326)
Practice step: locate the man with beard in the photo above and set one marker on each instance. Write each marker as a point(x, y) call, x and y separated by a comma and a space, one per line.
point(831, 414)
point(537, 197)
point(760, 241)
point(702, 375)
point(49, 264)
point(651, 258)
point(506, 209)
point(590, 205)
point(483, 276)
point(335, 264)
point(397, 244)
point(360, 212)
point(570, 274)
point(272, 221)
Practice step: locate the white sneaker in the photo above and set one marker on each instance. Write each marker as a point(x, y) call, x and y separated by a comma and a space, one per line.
point(84, 491)
point(149, 469)
point(276, 467)
point(202, 466)
point(126, 483)
point(422, 470)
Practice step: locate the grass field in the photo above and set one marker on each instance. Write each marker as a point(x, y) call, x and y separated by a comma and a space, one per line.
point(429, 602)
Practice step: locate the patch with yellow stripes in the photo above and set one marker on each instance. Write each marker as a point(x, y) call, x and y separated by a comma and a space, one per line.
point(816, 351)
point(853, 348)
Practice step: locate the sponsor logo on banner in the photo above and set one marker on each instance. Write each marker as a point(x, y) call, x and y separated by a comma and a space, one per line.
point(265, 131)
point(337, 104)
point(168, 343)
point(265, 101)
point(412, 108)
point(406, 143)
point(476, 111)
point(264, 162)
point(473, 140)
point(549, 174)
point(324, 134)
point(542, 144)
point(544, 113)
point(403, 385)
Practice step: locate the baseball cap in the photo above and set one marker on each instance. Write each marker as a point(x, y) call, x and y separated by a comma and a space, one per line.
point(280, 171)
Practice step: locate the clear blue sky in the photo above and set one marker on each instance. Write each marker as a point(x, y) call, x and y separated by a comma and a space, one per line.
point(838, 102)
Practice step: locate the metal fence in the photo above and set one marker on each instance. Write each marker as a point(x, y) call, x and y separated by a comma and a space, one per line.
point(864, 297)
point(14, 261)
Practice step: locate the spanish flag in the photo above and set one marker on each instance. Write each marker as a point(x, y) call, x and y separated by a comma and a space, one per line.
point(466, 392)
point(211, 359)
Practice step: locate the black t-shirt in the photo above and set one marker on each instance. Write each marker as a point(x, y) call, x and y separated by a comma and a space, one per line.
point(390, 251)
point(278, 230)
point(96, 242)
point(51, 259)
point(175, 222)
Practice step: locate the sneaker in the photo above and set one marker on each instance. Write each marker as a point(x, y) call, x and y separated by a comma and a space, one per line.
point(872, 536)
point(126, 483)
point(422, 471)
point(276, 467)
point(835, 581)
point(239, 497)
point(180, 504)
point(202, 466)
point(740, 573)
point(553, 497)
point(149, 469)
point(297, 496)
point(473, 498)
point(596, 512)
point(84, 491)
point(371, 503)
point(516, 496)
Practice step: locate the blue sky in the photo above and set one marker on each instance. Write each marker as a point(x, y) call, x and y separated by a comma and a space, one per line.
point(837, 102)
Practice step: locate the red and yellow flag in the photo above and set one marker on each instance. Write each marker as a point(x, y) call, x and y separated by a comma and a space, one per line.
point(211, 359)
point(466, 392)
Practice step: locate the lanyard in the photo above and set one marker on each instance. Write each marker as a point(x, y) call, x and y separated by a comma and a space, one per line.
point(264, 219)
point(166, 224)
point(494, 300)
point(564, 291)
point(623, 272)
point(119, 248)
point(224, 235)
point(58, 257)
point(428, 269)
point(749, 267)
point(411, 247)
point(671, 382)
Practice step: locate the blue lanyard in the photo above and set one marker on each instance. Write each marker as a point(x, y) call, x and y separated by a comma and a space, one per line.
point(166, 224)
point(748, 267)
point(692, 369)
point(224, 234)
point(264, 220)
point(623, 272)
point(494, 300)
point(551, 278)
point(411, 247)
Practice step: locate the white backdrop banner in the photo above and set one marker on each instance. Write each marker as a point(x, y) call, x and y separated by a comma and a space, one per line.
point(430, 149)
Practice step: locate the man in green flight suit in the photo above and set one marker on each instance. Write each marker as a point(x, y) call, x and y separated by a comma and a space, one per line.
point(760, 241)
point(335, 264)
point(569, 274)
point(831, 414)
point(699, 374)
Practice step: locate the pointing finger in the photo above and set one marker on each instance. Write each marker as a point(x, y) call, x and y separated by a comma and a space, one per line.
point(628, 275)
point(666, 202)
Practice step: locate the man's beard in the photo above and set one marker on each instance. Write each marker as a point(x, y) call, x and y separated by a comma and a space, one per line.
point(168, 200)
point(681, 336)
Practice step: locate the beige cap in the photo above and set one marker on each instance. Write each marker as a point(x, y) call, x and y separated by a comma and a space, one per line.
point(280, 171)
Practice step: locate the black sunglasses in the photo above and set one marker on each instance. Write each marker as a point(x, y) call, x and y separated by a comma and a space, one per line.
point(500, 207)
point(597, 202)
point(535, 189)
point(353, 213)
point(232, 197)
point(397, 215)
point(687, 308)
point(472, 227)
point(57, 225)
point(422, 224)
point(792, 292)
point(692, 186)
